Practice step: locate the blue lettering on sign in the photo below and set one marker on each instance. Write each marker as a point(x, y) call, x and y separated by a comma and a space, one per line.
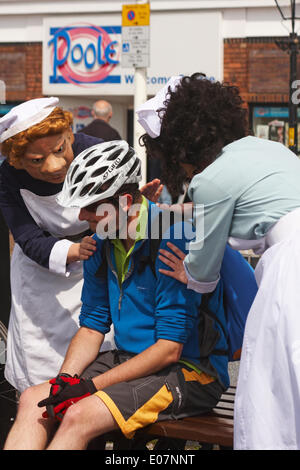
point(78, 59)
point(56, 61)
point(90, 47)
point(108, 51)
point(92, 54)
point(155, 80)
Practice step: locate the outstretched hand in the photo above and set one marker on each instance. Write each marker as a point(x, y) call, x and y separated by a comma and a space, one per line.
point(87, 247)
point(174, 261)
point(152, 190)
point(82, 250)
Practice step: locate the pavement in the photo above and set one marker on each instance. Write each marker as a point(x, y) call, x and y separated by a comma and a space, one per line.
point(233, 368)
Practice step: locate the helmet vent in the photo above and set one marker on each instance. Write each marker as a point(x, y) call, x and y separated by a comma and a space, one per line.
point(114, 155)
point(92, 161)
point(133, 168)
point(87, 155)
point(74, 171)
point(99, 171)
point(126, 159)
point(86, 189)
point(79, 177)
point(109, 148)
point(108, 183)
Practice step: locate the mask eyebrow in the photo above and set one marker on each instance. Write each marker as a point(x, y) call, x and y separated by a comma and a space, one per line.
point(60, 144)
point(33, 156)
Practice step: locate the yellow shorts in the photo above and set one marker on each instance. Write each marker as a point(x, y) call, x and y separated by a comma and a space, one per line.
point(174, 392)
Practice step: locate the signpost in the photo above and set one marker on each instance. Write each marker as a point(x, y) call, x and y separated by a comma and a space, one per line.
point(136, 53)
point(135, 46)
point(135, 35)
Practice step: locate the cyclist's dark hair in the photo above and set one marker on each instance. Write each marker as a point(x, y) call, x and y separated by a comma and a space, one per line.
point(199, 118)
point(131, 188)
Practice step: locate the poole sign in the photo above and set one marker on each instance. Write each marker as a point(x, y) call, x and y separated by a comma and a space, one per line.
point(84, 54)
point(78, 57)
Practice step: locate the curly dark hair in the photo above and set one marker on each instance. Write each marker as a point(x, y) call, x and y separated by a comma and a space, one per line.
point(199, 118)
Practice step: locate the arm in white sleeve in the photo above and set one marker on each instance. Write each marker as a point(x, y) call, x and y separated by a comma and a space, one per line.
point(212, 216)
point(58, 258)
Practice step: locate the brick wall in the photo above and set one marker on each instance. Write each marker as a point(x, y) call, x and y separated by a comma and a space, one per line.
point(259, 68)
point(21, 70)
point(256, 65)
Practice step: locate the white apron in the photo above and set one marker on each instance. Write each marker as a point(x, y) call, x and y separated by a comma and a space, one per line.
point(267, 405)
point(45, 305)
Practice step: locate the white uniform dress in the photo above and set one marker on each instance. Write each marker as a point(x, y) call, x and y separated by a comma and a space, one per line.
point(251, 199)
point(45, 293)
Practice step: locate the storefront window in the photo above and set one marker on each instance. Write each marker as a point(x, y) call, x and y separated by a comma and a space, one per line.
point(4, 108)
point(272, 122)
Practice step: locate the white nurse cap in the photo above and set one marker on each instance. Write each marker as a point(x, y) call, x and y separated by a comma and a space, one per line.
point(25, 115)
point(147, 113)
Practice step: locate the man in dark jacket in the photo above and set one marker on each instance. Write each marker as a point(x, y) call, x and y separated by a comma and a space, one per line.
point(100, 127)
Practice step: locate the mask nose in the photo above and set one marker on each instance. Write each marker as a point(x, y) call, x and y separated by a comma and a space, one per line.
point(53, 164)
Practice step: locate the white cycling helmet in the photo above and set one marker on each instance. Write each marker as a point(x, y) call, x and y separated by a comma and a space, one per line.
point(99, 172)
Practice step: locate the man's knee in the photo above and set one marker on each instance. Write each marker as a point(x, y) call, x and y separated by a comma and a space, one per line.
point(32, 395)
point(90, 417)
point(27, 397)
point(75, 416)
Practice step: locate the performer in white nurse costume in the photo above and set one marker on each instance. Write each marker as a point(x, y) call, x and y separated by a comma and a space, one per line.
point(250, 189)
point(46, 266)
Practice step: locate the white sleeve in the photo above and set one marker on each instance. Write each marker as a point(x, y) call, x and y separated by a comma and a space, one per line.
point(58, 259)
point(198, 286)
point(213, 210)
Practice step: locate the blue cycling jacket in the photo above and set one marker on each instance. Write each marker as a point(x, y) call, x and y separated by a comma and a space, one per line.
point(148, 307)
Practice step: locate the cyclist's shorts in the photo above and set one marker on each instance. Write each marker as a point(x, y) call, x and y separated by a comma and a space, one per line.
point(174, 392)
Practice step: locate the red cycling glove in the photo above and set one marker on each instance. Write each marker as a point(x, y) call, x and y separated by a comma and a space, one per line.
point(65, 391)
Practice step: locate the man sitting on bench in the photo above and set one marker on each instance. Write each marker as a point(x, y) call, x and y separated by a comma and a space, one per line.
point(166, 365)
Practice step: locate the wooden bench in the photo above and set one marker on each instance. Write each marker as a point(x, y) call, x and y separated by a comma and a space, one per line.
point(212, 430)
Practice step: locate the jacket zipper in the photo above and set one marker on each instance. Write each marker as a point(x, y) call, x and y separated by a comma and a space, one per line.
point(116, 275)
point(129, 272)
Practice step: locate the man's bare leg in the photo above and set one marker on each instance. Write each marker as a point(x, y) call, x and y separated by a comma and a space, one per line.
point(82, 422)
point(30, 431)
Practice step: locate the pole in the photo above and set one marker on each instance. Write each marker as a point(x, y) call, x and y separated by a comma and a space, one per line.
point(140, 96)
point(291, 45)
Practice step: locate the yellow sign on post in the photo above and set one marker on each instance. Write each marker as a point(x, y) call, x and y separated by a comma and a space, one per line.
point(291, 136)
point(136, 15)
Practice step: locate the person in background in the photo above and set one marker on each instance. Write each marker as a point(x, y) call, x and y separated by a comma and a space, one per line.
point(102, 113)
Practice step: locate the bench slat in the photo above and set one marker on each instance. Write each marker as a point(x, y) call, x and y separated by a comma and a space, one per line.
point(225, 406)
point(225, 400)
point(215, 427)
point(208, 429)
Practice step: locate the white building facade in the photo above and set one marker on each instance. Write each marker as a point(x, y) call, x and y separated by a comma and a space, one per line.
point(82, 46)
